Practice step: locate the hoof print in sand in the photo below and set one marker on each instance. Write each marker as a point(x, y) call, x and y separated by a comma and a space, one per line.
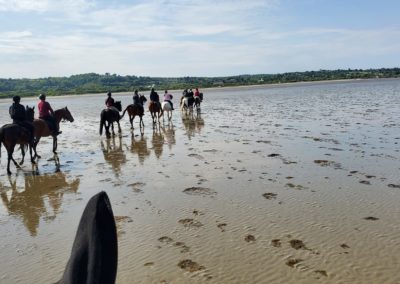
point(190, 223)
point(276, 243)
point(270, 195)
point(391, 185)
point(321, 272)
point(190, 265)
point(293, 261)
point(165, 239)
point(297, 244)
point(200, 191)
point(222, 226)
point(370, 218)
point(250, 238)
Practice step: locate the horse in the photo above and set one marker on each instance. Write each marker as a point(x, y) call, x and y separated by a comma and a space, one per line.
point(187, 104)
point(42, 128)
point(155, 111)
point(94, 255)
point(197, 102)
point(11, 135)
point(166, 107)
point(108, 116)
point(134, 110)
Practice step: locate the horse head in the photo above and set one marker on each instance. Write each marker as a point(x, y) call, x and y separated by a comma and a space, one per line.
point(118, 105)
point(30, 113)
point(67, 115)
point(142, 99)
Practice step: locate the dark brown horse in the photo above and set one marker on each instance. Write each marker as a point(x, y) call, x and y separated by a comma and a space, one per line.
point(135, 110)
point(155, 111)
point(11, 135)
point(42, 128)
point(108, 116)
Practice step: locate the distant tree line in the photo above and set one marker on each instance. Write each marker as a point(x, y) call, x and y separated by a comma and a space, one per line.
point(96, 83)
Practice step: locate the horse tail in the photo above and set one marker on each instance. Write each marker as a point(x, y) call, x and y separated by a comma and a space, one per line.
point(102, 122)
point(124, 112)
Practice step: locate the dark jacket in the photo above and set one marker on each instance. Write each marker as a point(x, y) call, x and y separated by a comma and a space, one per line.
point(154, 97)
point(17, 112)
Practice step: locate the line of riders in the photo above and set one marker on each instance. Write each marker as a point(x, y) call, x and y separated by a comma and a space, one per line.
point(138, 99)
point(19, 116)
point(18, 112)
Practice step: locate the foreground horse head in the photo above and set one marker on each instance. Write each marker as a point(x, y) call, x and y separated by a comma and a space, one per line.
point(63, 114)
point(94, 255)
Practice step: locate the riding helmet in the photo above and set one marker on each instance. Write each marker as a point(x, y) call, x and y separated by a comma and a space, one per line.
point(16, 99)
point(42, 97)
point(109, 94)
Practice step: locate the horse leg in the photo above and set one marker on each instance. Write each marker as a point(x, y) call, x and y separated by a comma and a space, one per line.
point(23, 155)
point(34, 147)
point(112, 128)
point(30, 152)
point(10, 151)
point(119, 127)
point(55, 145)
point(131, 118)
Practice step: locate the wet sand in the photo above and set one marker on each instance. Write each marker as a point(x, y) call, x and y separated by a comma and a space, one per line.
point(296, 184)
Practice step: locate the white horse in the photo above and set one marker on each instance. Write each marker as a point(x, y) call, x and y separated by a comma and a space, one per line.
point(166, 107)
point(185, 106)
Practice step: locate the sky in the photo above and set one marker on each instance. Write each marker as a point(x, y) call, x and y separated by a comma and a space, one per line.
point(175, 38)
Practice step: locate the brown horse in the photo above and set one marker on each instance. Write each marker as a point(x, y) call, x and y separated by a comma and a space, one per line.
point(11, 135)
point(42, 128)
point(135, 110)
point(155, 111)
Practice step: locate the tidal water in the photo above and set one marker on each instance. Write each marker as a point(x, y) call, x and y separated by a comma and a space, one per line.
point(270, 184)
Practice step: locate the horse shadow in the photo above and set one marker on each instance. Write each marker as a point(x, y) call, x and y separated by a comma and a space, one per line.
point(28, 201)
point(113, 154)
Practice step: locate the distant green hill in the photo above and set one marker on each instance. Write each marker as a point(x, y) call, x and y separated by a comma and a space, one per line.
point(96, 83)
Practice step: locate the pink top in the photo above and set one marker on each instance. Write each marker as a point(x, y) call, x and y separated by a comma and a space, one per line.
point(44, 109)
point(196, 93)
point(167, 97)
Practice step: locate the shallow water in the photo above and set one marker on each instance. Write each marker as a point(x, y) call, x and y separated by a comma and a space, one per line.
point(288, 184)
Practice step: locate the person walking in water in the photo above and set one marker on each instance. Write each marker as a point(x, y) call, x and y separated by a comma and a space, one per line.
point(46, 113)
point(168, 98)
point(18, 115)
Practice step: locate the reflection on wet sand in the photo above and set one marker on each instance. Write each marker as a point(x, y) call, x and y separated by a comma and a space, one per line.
point(139, 147)
point(169, 134)
point(114, 154)
point(193, 124)
point(158, 141)
point(30, 204)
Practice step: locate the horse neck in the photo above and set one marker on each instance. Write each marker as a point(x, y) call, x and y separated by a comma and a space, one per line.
point(58, 114)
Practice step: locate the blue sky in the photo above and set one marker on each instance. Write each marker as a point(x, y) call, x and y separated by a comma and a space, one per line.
point(40, 38)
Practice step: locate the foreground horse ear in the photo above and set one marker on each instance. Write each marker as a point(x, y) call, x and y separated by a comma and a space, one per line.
point(94, 254)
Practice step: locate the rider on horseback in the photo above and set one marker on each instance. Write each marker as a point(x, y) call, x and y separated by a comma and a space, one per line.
point(46, 113)
point(168, 98)
point(18, 115)
point(154, 97)
point(137, 101)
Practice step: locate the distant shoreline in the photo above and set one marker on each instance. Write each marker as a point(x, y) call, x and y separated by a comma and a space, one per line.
point(225, 88)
